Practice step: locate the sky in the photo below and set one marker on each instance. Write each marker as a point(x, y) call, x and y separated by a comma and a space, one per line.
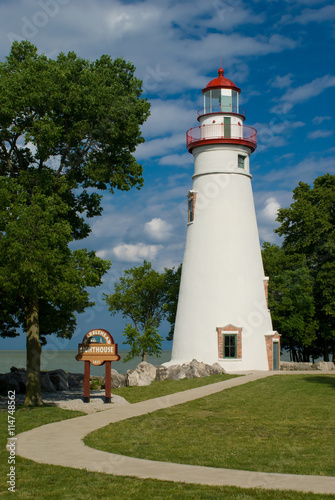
point(280, 53)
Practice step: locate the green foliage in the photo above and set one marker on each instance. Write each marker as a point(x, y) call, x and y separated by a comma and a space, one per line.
point(142, 295)
point(68, 128)
point(308, 229)
point(291, 300)
point(173, 281)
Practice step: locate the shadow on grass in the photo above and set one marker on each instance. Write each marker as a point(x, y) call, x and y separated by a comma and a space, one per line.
point(322, 379)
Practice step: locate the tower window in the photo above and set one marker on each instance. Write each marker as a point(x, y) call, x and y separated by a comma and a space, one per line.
point(191, 205)
point(241, 160)
point(229, 342)
point(230, 346)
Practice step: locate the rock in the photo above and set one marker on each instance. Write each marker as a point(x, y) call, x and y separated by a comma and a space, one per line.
point(118, 379)
point(162, 372)
point(13, 381)
point(14, 369)
point(196, 369)
point(291, 366)
point(75, 380)
point(59, 379)
point(324, 366)
point(176, 372)
point(46, 384)
point(143, 375)
point(217, 369)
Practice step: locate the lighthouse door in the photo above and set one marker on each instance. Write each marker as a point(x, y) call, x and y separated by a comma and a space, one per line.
point(275, 355)
point(226, 126)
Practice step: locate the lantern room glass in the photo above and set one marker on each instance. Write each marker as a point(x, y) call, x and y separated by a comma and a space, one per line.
point(217, 100)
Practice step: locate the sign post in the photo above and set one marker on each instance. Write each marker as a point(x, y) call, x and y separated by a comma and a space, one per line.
point(97, 348)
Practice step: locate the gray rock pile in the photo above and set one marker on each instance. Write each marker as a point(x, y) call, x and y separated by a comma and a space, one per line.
point(143, 374)
point(323, 366)
point(52, 381)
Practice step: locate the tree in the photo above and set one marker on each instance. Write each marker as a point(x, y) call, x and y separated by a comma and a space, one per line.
point(68, 129)
point(291, 300)
point(308, 227)
point(173, 281)
point(143, 296)
point(42, 282)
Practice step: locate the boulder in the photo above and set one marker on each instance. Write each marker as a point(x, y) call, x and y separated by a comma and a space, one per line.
point(176, 372)
point(75, 380)
point(46, 384)
point(196, 369)
point(162, 372)
point(324, 366)
point(217, 369)
point(118, 379)
point(13, 381)
point(291, 366)
point(143, 375)
point(59, 378)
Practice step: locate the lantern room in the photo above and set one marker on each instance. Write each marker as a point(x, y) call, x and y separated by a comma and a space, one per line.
point(221, 95)
point(221, 118)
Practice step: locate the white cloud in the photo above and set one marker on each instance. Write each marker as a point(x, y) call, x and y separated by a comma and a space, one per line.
point(157, 229)
point(270, 210)
point(309, 90)
point(305, 171)
point(160, 147)
point(326, 13)
point(282, 82)
point(135, 253)
point(275, 133)
point(169, 115)
point(318, 134)
point(319, 119)
point(177, 160)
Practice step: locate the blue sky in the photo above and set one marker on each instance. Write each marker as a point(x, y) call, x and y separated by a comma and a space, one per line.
point(280, 53)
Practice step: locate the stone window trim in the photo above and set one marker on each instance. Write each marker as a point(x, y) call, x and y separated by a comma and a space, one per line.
point(229, 330)
point(269, 341)
point(191, 202)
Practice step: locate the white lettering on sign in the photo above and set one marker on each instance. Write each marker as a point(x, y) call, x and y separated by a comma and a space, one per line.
point(97, 349)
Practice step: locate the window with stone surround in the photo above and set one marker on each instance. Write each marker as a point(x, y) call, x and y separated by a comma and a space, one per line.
point(229, 342)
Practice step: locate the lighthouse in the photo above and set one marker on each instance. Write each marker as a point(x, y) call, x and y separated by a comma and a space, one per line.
point(222, 313)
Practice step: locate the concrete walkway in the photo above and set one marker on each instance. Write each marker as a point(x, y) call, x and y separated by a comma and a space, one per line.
point(61, 443)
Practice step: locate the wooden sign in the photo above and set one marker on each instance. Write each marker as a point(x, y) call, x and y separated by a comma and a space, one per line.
point(97, 348)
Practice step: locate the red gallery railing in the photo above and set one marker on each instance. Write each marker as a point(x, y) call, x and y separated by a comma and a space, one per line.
point(222, 132)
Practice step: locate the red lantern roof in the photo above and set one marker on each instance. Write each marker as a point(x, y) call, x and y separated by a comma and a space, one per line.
point(221, 82)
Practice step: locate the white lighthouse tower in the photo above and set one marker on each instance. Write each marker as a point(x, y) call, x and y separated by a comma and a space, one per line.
point(222, 313)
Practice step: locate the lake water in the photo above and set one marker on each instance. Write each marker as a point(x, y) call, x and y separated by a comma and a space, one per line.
point(52, 360)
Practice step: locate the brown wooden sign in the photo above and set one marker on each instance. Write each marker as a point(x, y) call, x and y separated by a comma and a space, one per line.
point(97, 348)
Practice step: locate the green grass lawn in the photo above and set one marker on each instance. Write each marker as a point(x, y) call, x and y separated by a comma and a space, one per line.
point(165, 387)
point(278, 424)
point(38, 481)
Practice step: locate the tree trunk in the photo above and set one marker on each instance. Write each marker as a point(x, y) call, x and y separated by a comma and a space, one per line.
point(33, 387)
point(144, 356)
point(325, 351)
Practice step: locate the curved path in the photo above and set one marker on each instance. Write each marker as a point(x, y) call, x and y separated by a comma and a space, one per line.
point(60, 443)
